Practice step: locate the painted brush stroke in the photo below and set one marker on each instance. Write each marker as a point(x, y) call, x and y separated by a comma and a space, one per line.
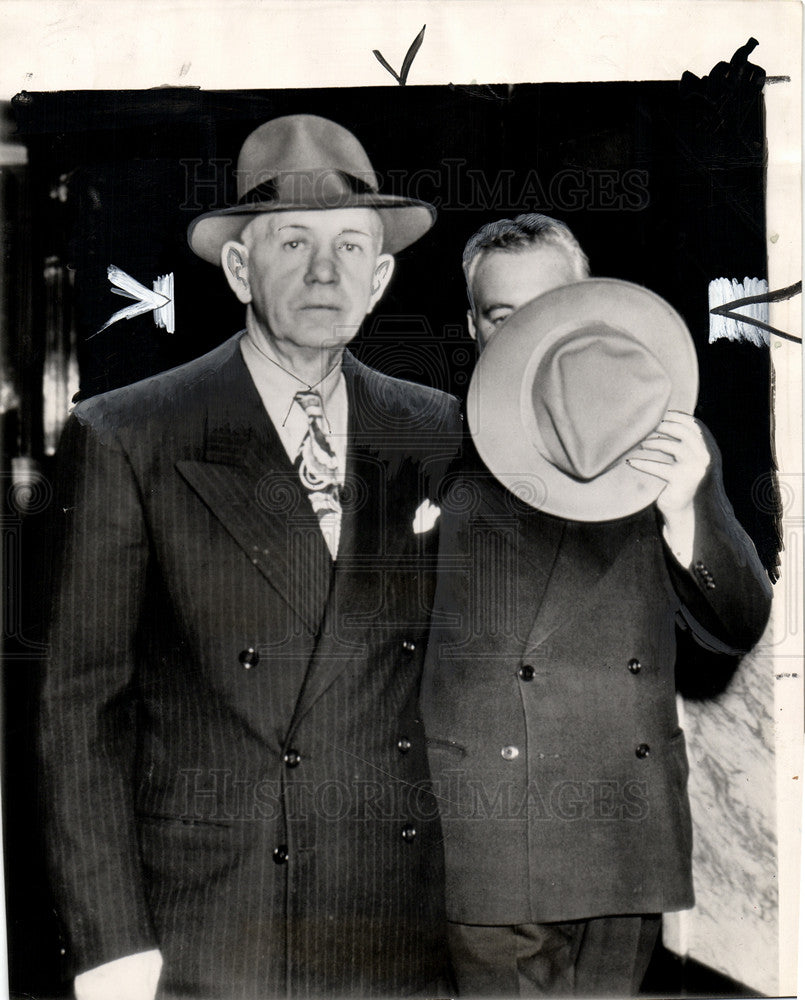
point(158, 298)
point(724, 291)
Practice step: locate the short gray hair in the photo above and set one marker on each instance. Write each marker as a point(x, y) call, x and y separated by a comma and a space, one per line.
point(522, 233)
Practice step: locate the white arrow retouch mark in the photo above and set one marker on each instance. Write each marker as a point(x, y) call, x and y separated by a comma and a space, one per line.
point(724, 291)
point(158, 298)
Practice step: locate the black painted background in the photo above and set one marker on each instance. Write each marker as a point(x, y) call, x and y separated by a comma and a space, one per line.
point(694, 214)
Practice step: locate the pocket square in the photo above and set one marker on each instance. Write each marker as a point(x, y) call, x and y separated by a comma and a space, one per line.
point(427, 514)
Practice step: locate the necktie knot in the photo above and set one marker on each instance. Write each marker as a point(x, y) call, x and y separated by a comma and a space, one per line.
point(322, 449)
point(310, 401)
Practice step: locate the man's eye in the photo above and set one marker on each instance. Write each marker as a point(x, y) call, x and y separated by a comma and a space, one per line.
point(292, 244)
point(349, 247)
point(498, 318)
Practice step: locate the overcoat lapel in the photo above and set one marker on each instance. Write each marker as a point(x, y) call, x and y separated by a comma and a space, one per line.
point(248, 482)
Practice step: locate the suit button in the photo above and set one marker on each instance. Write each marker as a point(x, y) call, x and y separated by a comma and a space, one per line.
point(509, 753)
point(526, 672)
point(705, 575)
point(249, 658)
point(280, 854)
point(291, 758)
point(403, 745)
point(409, 646)
point(408, 833)
point(642, 750)
point(634, 665)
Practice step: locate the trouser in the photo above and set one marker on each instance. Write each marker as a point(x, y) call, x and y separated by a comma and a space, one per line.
point(602, 956)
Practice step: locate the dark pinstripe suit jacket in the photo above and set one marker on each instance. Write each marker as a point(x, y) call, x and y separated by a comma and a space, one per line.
point(234, 768)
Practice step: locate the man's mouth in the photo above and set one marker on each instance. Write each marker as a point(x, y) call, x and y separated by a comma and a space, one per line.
point(320, 305)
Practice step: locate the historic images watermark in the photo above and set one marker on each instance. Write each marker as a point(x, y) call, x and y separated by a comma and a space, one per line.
point(450, 186)
point(221, 796)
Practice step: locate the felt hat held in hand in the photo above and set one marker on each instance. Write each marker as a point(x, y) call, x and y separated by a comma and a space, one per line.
point(570, 384)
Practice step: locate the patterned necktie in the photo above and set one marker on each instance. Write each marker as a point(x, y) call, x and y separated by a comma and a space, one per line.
point(318, 469)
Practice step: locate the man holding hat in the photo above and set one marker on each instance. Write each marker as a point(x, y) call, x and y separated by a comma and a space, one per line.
point(586, 518)
point(235, 773)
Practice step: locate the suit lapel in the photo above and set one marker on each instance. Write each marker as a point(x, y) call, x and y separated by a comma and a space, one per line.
point(585, 559)
point(247, 481)
point(372, 537)
point(554, 565)
point(512, 549)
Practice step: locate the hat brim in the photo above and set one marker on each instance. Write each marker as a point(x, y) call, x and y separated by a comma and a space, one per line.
point(405, 220)
point(499, 402)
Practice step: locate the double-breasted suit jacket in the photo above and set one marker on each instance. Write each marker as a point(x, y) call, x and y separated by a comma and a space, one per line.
point(234, 768)
point(549, 699)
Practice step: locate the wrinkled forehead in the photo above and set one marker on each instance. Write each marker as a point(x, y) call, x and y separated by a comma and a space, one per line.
point(322, 222)
point(518, 274)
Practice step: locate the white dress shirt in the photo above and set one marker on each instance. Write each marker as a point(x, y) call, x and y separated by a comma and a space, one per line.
point(277, 388)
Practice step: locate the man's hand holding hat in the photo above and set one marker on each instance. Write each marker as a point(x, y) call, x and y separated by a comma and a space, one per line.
point(582, 406)
point(679, 454)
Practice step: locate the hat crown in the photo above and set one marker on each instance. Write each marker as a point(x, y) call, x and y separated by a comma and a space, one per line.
point(303, 146)
point(307, 163)
point(597, 393)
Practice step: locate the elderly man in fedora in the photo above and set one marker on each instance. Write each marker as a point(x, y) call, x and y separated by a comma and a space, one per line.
point(235, 773)
point(585, 518)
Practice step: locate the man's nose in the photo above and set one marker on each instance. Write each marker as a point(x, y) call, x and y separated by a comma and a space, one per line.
point(322, 267)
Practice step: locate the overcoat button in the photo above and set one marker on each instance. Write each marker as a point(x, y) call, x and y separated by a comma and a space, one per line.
point(634, 665)
point(403, 745)
point(526, 672)
point(409, 646)
point(249, 658)
point(280, 854)
point(509, 753)
point(642, 750)
point(291, 758)
point(408, 833)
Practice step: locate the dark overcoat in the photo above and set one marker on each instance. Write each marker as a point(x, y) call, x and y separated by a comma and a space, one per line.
point(234, 769)
point(549, 698)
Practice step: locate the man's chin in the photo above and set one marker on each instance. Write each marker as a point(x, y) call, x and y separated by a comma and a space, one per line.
point(324, 335)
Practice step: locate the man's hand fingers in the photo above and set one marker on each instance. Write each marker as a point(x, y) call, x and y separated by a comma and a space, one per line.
point(651, 467)
point(653, 447)
point(678, 428)
point(681, 438)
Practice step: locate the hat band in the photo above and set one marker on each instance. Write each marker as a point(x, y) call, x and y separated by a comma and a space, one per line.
point(316, 184)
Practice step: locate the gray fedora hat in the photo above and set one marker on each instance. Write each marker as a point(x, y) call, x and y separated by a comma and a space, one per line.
point(307, 162)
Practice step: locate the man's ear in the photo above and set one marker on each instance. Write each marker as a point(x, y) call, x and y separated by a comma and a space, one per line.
point(235, 262)
point(471, 325)
point(381, 277)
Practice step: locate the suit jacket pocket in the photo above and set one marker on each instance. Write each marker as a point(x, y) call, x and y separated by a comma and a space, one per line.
point(434, 743)
point(188, 853)
point(181, 820)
